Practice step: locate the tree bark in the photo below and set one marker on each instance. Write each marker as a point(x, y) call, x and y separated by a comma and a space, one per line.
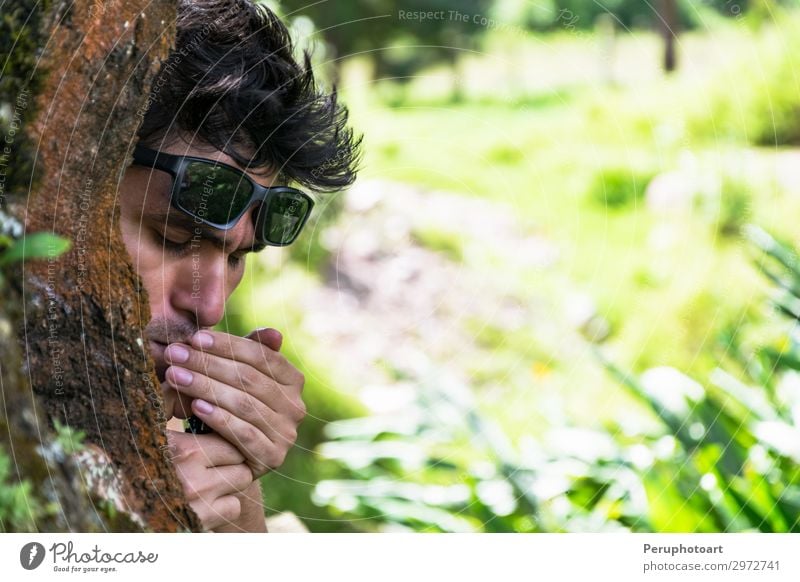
point(84, 354)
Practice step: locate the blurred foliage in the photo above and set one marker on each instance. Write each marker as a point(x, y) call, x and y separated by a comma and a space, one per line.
point(38, 245)
point(561, 144)
point(583, 14)
point(391, 31)
point(18, 512)
point(756, 97)
point(402, 38)
point(69, 439)
point(733, 207)
point(16, 248)
point(443, 466)
point(620, 187)
point(20, 505)
point(309, 248)
point(723, 456)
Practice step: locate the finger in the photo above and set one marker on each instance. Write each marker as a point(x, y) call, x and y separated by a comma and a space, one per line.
point(261, 453)
point(240, 403)
point(218, 512)
point(212, 449)
point(231, 479)
point(259, 356)
point(176, 404)
point(239, 376)
point(268, 336)
point(213, 482)
point(219, 451)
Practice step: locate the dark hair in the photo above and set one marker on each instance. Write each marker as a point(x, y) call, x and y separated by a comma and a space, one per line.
point(232, 81)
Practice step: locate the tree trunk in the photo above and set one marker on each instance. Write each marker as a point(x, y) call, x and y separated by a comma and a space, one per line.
point(88, 70)
point(669, 28)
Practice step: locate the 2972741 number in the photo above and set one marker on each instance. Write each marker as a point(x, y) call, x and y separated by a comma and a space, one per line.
point(755, 565)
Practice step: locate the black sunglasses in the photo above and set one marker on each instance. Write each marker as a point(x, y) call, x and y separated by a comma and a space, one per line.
point(218, 195)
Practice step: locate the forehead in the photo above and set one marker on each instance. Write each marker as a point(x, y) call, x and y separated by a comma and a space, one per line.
point(186, 147)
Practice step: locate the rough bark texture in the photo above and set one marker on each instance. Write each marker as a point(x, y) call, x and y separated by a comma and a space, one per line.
point(83, 322)
point(35, 459)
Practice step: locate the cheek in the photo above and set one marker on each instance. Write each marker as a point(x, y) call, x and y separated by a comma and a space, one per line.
point(150, 262)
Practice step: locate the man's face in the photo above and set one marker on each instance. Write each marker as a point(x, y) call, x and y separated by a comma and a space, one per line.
point(188, 270)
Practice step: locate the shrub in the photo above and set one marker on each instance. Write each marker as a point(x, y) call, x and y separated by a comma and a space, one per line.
point(619, 187)
point(757, 99)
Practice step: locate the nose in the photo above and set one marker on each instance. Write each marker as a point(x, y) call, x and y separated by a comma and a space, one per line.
point(199, 290)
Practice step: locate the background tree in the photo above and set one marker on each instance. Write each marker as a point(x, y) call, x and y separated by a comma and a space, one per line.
point(668, 23)
point(398, 42)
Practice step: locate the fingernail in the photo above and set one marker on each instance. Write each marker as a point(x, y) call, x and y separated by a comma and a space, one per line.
point(181, 376)
point(203, 339)
point(202, 406)
point(176, 353)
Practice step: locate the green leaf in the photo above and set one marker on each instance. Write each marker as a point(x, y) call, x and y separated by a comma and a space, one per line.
point(36, 246)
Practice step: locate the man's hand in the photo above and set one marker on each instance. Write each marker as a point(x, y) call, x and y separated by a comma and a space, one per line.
point(212, 472)
point(243, 389)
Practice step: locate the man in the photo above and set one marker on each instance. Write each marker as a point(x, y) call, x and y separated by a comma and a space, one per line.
point(233, 119)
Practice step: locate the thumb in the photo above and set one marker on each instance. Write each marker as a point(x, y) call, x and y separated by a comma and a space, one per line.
point(268, 336)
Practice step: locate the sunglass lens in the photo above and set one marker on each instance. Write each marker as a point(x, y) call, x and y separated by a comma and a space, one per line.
point(213, 193)
point(285, 217)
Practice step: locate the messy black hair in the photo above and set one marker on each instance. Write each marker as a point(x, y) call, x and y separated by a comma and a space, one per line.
point(233, 82)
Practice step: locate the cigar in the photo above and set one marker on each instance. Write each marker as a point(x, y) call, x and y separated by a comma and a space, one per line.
point(197, 426)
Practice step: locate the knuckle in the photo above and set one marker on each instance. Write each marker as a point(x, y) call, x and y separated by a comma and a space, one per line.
point(199, 361)
point(281, 456)
point(291, 436)
point(182, 449)
point(205, 387)
point(288, 433)
point(191, 491)
point(193, 449)
point(300, 410)
point(245, 404)
point(276, 361)
point(244, 478)
point(277, 456)
point(232, 509)
point(249, 434)
point(250, 376)
point(277, 358)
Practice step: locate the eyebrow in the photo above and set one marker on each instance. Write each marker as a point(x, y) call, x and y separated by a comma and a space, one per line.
point(186, 222)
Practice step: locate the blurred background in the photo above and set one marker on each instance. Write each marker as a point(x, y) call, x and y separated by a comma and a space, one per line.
point(563, 293)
